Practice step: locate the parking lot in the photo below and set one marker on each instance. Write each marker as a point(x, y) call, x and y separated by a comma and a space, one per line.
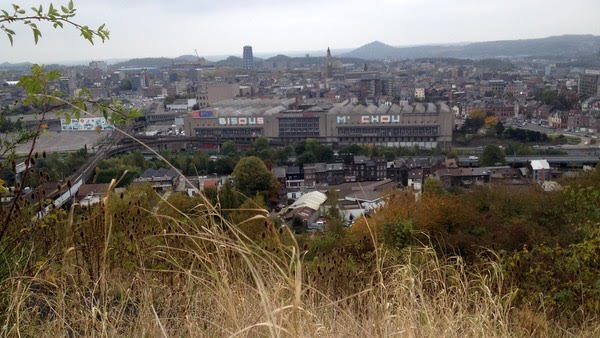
point(64, 141)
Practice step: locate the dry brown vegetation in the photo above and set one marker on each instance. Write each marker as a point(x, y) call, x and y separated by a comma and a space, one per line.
point(141, 266)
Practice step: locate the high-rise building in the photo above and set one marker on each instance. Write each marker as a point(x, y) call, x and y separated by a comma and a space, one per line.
point(248, 58)
point(589, 83)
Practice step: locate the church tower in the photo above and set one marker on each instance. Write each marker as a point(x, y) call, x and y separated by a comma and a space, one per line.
point(329, 61)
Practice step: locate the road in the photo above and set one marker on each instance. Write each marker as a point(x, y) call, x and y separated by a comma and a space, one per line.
point(585, 140)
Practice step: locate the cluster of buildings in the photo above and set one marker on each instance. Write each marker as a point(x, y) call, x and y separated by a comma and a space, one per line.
point(362, 184)
point(338, 99)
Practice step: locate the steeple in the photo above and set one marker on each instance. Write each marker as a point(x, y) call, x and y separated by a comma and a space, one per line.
point(329, 63)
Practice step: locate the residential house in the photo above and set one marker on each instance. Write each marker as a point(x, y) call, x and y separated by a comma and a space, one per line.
point(307, 207)
point(540, 170)
point(558, 119)
point(359, 198)
point(364, 169)
point(397, 171)
point(90, 194)
point(161, 179)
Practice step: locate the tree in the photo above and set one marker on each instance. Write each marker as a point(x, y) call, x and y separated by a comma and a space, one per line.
point(251, 176)
point(229, 149)
point(228, 197)
point(492, 155)
point(298, 224)
point(335, 219)
point(491, 121)
point(499, 129)
point(261, 148)
point(57, 18)
point(474, 121)
point(223, 166)
point(282, 154)
point(307, 157)
point(125, 85)
point(433, 186)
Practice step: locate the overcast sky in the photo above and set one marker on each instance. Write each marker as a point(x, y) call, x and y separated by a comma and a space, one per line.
point(170, 28)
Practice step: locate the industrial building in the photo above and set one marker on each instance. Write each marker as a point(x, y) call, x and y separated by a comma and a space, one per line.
point(426, 125)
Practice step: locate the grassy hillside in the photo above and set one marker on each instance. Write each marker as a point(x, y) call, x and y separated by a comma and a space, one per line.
point(490, 262)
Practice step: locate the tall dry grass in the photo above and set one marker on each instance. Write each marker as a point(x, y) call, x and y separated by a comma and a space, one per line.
point(208, 279)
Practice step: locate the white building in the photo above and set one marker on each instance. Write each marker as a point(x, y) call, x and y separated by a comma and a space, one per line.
point(420, 93)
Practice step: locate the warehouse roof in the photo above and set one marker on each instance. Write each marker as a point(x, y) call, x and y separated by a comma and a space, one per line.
point(312, 200)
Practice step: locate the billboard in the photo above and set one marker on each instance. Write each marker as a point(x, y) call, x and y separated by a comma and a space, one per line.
point(241, 121)
point(369, 119)
point(85, 124)
point(203, 114)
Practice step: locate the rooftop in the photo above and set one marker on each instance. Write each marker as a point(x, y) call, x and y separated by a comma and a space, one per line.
point(245, 106)
point(312, 200)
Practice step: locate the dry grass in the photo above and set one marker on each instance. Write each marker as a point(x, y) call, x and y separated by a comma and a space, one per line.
point(211, 282)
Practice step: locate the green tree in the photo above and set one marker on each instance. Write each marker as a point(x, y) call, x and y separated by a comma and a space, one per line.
point(229, 149)
point(282, 154)
point(492, 155)
point(298, 225)
point(125, 85)
point(228, 197)
point(433, 186)
point(261, 148)
point(251, 176)
point(200, 162)
point(399, 234)
point(58, 18)
point(306, 157)
point(335, 219)
point(499, 129)
point(223, 166)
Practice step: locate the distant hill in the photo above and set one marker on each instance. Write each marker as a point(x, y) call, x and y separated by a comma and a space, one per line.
point(188, 58)
point(562, 46)
point(158, 62)
point(232, 61)
point(15, 66)
point(145, 62)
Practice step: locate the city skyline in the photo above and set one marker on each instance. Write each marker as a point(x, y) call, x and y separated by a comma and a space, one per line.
point(184, 25)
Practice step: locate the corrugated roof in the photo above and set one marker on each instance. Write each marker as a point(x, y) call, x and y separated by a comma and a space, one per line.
point(540, 164)
point(312, 200)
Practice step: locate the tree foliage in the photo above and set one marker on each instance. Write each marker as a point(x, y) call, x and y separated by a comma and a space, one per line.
point(492, 155)
point(251, 176)
point(53, 15)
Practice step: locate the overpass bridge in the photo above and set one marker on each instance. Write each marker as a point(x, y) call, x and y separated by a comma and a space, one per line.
point(556, 161)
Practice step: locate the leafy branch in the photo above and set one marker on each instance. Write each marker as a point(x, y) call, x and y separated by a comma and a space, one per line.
point(38, 94)
point(58, 18)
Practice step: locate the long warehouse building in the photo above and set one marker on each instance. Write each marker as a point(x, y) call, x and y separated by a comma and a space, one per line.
point(427, 125)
